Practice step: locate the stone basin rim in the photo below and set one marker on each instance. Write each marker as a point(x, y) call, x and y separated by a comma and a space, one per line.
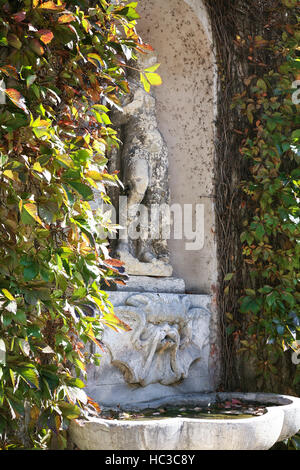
point(276, 424)
point(194, 399)
point(155, 421)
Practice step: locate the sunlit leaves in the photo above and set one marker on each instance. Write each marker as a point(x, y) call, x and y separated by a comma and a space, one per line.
point(66, 18)
point(270, 207)
point(8, 294)
point(31, 210)
point(149, 77)
point(45, 35)
point(16, 97)
point(65, 61)
point(52, 6)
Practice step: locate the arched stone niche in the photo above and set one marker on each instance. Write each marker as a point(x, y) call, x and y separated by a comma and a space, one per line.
point(179, 32)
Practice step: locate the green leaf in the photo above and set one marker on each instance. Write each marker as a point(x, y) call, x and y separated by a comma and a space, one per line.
point(250, 305)
point(85, 191)
point(260, 231)
point(30, 375)
point(129, 13)
point(68, 410)
point(30, 272)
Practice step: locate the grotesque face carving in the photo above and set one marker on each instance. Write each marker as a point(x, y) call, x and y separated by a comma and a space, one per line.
point(166, 337)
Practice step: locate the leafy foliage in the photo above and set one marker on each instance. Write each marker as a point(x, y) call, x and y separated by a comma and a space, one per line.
point(270, 240)
point(64, 69)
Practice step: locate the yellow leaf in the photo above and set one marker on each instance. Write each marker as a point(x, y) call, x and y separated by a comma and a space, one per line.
point(37, 167)
point(33, 212)
point(9, 174)
point(8, 294)
point(95, 175)
point(154, 78)
point(65, 160)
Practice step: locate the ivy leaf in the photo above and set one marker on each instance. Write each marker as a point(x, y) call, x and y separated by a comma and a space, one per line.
point(152, 69)
point(29, 374)
point(85, 191)
point(145, 82)
point(154, 79)
point(66, 18)
point(96, 60)
point(8, 294)
point(36, 47)
point(50, 5)
point(20, 16)
point(31, 210)
point(45, 35)
point(261, 84)
point(250, 304)
point(129, 13)
point(14, 41)
point(260, 231)
point(31, 271)
point(16, 97)
point(10, 71)
point(69, 410)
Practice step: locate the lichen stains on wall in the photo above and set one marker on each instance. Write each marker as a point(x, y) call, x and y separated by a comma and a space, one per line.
point(186, 111)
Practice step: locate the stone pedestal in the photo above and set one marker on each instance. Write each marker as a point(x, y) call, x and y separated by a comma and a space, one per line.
point(168, 285)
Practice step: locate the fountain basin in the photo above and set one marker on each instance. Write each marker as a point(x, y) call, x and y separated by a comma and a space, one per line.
point(281, 420)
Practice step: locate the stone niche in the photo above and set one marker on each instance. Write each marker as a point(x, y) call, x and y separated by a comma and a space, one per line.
point(180, 34)
point(172, 347)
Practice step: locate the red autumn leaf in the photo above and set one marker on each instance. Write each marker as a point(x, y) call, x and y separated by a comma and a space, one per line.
point(114, 262)
point(46, 36)
point(10, 71)
point(94, 404)
point(122, 283)
point(67, 18)
point(16, 97)
point(20, 16)
point(146, 47)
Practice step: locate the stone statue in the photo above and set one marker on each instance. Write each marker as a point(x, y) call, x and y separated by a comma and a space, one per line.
point(167, 335)
point(142, 161)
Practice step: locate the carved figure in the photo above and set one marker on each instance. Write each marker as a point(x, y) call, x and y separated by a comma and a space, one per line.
point(143, 164)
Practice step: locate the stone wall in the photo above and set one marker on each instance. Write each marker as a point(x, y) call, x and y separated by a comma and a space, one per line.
point(180, 34)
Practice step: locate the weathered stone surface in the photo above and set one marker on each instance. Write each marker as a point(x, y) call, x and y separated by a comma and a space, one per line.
point(167, 336)
point(135, 267)
point(142, 163)
point(166, 352)
point(257, 433)
point(169, 285)
point(180, 34)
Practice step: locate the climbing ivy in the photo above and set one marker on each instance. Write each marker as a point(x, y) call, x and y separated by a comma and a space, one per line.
point(63, 67)
point(270, 205)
